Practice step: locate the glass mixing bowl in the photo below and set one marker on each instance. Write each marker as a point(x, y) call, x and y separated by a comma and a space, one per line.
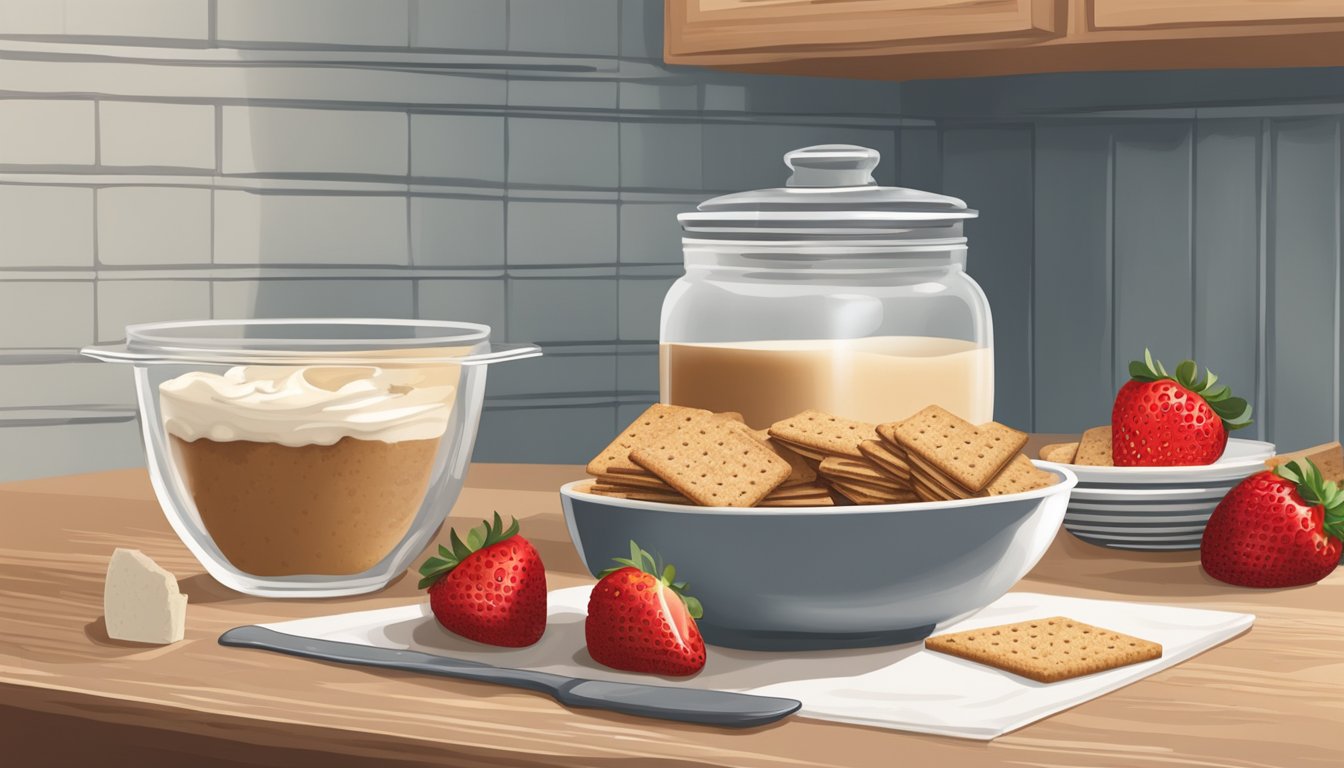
point(308, 458)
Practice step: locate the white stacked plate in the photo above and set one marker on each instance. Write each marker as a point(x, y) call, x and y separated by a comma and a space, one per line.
point(1156, 508)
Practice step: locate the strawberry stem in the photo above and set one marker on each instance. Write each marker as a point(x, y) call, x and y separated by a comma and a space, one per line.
point(1234, 412)
point(488, 533)
point(642, 561)
point(1315, 489)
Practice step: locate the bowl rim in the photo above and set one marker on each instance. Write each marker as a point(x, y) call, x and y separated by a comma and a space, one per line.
point(1192, 472)
point(470, 345)
point(1066, 484)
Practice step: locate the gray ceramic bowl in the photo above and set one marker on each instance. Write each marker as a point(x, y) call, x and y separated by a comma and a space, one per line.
point(811, 578)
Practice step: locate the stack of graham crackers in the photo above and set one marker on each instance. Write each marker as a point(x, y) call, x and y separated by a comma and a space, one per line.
point(1092, 449)
point(692, 456)
point(684, 455)
point(836, 447)
point(950, 458)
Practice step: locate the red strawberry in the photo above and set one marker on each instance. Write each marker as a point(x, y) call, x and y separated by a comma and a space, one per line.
point(1160, 420)
point(491, 589)
point(642, 621)
point(1276, 529)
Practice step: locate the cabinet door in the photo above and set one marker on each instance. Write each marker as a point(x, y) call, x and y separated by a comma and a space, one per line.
point(851, 26)
point(1136, 14)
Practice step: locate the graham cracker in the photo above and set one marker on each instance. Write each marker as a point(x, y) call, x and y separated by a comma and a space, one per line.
point(821, 500)
point(713, 463)
point(863, 493)
point(638, 494)
point(1328, 458)
point(646, 480)
point(935, 479)
point(1060, 453)
point(927, 491)
point(1019, 476)
point(824, 433)
point(810, 454)
point(790, 492)
point(862, 470)
point(616, 456)
point(967, 454)
point(882, 453)
point(800, 472)
point(1094, 448)
point(1047, 650)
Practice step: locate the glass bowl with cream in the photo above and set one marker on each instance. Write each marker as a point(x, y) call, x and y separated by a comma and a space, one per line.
point(308, 458)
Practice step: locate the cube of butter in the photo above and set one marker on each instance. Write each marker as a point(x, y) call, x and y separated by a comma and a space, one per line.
point(141, 602)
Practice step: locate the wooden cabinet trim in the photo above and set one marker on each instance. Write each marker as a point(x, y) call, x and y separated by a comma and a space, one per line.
point(1153, 14)
point(850, 24)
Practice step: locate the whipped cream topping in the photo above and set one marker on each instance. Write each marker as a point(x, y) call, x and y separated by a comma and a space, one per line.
point(310, 405)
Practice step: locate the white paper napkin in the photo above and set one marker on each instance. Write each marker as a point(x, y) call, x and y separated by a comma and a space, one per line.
point(901, 687)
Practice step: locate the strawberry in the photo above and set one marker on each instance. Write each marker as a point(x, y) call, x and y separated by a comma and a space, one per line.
point(641, 620)
point(1276, 529)
point(492, 589)
point(1160, 420)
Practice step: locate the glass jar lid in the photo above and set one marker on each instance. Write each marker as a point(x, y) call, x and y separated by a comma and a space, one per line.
point(831, 196)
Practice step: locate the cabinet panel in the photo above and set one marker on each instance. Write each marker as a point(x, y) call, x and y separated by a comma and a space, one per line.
point(1132, 14)
point(726, 26)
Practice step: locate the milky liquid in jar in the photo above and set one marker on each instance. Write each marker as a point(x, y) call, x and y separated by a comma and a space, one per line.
point(877, 379)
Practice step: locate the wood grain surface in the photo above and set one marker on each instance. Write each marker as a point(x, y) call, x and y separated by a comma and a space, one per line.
point(1271, 697)
point(897, 40)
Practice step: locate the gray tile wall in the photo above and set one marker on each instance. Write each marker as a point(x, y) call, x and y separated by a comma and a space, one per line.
point(517, 162)
point(521, 163)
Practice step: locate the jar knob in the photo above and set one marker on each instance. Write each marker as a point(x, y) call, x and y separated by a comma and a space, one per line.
point(832, 165)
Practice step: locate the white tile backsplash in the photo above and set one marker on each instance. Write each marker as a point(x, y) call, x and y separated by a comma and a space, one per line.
point(468, 300)
point(138, 133)
point(589, 27)
point(176, 19)
point(154, 225)
point(562, 233)
point(46, 226)
point(255, 228)
point(125, 302)
point(46, 132)
point(39, 314)
point(313, 298)
point(464, 24)
point(458, 146)
point(576, 153)
point(447, 232)
point(32, 17)
point(325, 22)
point(284, 140)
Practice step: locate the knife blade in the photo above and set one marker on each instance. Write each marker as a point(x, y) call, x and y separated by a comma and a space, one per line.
point(687, 705)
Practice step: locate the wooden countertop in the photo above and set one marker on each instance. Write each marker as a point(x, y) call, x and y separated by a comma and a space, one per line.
point(1272, 697)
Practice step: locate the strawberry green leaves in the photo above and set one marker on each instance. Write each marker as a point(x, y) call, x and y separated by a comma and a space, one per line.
point(643, 561)
point(1234, 412)
point(1315, 489)
point(488, 533)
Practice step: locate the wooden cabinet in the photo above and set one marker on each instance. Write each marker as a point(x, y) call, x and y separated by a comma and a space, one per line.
point(1147, 14)
point(910, 39)
point(727, 26)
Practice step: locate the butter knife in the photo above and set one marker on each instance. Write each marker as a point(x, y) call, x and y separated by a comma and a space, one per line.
point(687, 705)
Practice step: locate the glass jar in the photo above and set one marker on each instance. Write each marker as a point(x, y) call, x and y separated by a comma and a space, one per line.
point(831, 293)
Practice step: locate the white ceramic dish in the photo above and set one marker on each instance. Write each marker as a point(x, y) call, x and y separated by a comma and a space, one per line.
point(1242, 458)
point(1156, 508)
point(813, 578)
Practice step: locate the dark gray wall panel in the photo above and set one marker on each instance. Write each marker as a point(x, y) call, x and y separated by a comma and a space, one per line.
point(1303, 334)
point(1073, 382)
point(1227, 253)
point(1154, 268)
point(991, 168)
